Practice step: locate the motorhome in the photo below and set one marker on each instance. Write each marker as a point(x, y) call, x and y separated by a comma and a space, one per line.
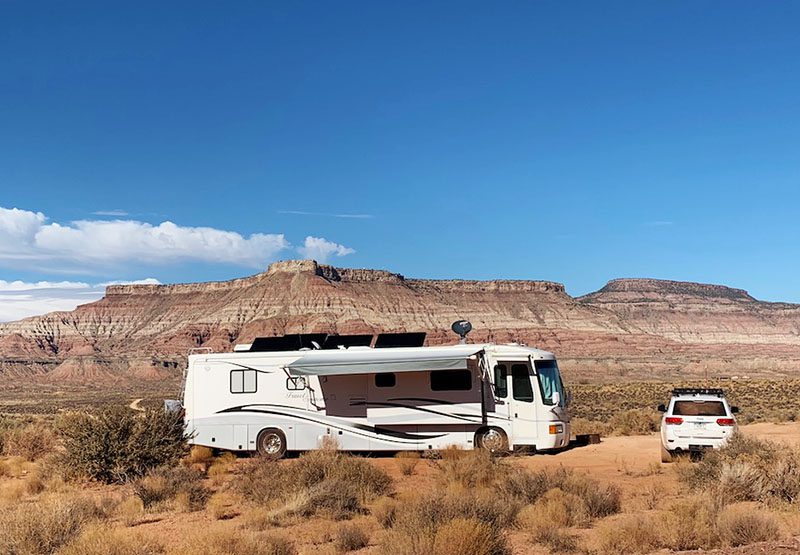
point(293, 393)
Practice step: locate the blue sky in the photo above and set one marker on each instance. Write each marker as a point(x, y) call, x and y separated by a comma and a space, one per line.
point(568, 141)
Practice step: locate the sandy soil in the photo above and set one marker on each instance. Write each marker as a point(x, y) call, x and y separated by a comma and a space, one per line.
point(633, 463)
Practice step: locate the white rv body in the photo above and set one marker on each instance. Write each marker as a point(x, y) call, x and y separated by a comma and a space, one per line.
point(367, 399)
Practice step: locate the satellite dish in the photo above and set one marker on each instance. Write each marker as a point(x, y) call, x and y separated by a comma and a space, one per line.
point(462, 328)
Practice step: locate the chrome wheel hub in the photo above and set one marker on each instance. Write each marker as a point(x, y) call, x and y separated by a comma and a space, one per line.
point(272, 444)
point(493, 440)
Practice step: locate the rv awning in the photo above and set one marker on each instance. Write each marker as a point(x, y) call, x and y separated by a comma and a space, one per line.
point(372, 361)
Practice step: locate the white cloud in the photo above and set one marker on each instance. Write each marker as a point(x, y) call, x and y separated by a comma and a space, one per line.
point(27, 236)
point(116, 212)
point(19, 299)
point(23, 286)
point(321, 249)
point(304, 213)
point(147, 281)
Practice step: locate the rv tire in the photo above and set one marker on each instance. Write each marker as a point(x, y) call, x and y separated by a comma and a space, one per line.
point(271, 443)
point(493, 440)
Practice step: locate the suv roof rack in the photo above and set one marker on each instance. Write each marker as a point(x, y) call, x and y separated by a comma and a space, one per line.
point(698, 391)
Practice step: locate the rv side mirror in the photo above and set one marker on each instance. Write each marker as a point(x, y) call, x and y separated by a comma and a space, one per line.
point(556, 398)
point(662, 408)
point(735, 410)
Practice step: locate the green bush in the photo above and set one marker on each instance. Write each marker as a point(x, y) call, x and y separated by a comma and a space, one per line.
point(119, 445)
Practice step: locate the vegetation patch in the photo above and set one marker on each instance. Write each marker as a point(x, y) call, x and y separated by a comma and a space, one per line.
point(319, 482)
point(118, 445)
point(178, 485)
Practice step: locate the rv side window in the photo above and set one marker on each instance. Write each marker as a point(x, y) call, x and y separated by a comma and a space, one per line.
point(451, 380)
point(521, 382)
point(243, 381)
point(385, 380)
point(501, 381)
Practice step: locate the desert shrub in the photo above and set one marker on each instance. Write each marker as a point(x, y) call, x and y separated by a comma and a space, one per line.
point(582, 426)
point(746, 469)
point(384, 510)
point(6, 425)
point(407, 462)
point(117, 444)
point(558, 540)
point(31, 441)
point(221, 506)
point(199, 454)
point(130, 511)
point(635, 422)
point(600, 499)
point(628, 533)
point(741, 525)
point(418, 520)
point(555, 508)
point(324, 481)
point(467, 468)
point(104, 540)
point(178, 484)
point(691, 524)
point(350, 537)
point(235, 542)
point(526, 486)
point(464, 535)
point(43, 527)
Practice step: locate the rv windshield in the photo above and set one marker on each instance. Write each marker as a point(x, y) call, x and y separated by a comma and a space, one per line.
point(549, 380)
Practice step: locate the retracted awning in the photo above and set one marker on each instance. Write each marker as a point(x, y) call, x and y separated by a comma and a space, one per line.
point(373, 361)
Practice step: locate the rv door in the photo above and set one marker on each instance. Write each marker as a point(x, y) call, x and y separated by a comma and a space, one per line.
point(522, 408)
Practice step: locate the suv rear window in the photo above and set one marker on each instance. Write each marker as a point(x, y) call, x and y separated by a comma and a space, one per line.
point(699, 408)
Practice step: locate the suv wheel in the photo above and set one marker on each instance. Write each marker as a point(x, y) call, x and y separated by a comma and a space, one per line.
point(666, 456)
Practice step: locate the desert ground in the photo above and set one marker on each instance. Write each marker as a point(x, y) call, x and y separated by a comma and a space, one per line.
point(643, 505)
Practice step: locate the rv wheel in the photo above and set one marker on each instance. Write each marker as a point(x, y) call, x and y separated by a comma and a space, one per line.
point(493, 440)
point(271, 443)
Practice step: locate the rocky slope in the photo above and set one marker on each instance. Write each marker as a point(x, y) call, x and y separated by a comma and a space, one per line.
point(632, 328)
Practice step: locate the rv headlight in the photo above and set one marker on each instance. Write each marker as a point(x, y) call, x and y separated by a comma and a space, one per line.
point(556, 429)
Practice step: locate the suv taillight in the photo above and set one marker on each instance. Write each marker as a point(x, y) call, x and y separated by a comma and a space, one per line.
point(673, 420)
point(726, 421)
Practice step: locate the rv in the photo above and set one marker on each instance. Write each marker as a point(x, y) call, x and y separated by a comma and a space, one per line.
point(293, 393)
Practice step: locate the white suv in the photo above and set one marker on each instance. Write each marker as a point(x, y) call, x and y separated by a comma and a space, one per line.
point(695, 419)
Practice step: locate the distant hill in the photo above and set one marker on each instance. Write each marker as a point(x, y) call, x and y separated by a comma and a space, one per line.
point(629, 329)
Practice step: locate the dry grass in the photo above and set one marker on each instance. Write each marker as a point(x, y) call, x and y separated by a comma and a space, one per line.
point(221, 541)
point(628, 533)
point(418, 519)
point(464, 535)
point(221, 467)
point(384, 510)
point(350, 537)
point(746, 469)
point(45, 526)
point(199, 454)
point(407, 462)
point(130, 511)
point(467, 469)
point(690, 524)
point(323, 482)
point(31, 442)
point(101, 539)
point(222, 506)
point(743, 525)
point(180, 486)
point(556, 508)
